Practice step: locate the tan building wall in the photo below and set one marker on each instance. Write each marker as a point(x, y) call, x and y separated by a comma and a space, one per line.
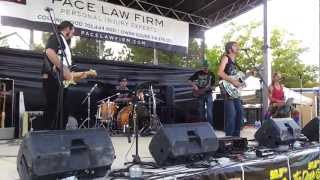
point(307, 112)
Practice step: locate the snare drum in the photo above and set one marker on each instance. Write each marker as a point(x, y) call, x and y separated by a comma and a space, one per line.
point(107, 110)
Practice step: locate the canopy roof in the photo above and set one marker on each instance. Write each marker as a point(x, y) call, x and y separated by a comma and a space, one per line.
point(200, 14)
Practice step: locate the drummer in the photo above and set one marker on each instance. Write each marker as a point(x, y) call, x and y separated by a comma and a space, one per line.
point(123, 83)
point(124, 91)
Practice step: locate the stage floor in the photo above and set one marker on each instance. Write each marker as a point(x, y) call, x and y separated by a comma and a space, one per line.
point(9, 151)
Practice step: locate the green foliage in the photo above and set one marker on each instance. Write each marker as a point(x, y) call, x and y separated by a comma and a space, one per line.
point(87, 48)
point(145, 56)
point(285, 54)
point(39, 47)
point(213, 56)
point(141, 55)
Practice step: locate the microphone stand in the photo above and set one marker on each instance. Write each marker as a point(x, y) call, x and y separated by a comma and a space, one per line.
point(88, 97)
point(136, 158)
point(109, 97)
point(60, 76)
point(262, 81)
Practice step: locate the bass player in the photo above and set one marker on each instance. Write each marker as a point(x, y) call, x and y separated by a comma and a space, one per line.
point(202, 82)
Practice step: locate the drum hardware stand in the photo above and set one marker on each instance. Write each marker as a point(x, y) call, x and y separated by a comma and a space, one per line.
point(88, 97)
point(155, 123)
point(136, 158)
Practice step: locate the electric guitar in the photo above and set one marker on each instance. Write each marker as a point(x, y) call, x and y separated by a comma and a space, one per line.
point(77, 76)
point(229, 88)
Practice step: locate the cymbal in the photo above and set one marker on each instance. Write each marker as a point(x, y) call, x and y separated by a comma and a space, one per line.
point(146, 84)
point(123, 100)
point(122, 91)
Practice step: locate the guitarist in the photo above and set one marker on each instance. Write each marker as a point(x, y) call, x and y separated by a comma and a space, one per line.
point(232, 106)
point(201, 82)
point(50, 66)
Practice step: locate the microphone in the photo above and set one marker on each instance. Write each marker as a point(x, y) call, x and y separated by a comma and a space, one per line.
point(48, 9)
point(244, 49)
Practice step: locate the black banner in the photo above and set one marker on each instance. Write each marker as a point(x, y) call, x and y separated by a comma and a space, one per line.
point(295, 165)
point(172, 89)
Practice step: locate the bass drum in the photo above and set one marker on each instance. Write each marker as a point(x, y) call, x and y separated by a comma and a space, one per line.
point(124, 118)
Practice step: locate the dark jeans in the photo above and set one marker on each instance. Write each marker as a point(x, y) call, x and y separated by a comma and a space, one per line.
point(206, 113)
point(51, 89)
point(233, 114)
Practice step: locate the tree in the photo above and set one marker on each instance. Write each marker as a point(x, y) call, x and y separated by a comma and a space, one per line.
point(284, 49)
point(145, 56)
point(193, 59)
point(87, 48)
point(40, 46)
point(125, 54)
point(141, 55)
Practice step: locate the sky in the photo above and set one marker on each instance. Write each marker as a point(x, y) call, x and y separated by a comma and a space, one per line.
point(299, 17)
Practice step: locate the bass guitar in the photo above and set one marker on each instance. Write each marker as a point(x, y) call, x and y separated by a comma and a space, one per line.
point(201, 91)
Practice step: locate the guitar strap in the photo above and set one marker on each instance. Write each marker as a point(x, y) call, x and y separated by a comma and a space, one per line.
point(236, 64)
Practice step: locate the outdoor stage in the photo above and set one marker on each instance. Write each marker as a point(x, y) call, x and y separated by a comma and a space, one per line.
point(303, 163)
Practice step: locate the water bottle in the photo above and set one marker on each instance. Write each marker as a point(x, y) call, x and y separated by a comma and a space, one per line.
point(257, 124)
point(135, 172)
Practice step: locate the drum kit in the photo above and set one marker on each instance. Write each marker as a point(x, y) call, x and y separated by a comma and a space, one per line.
point(117, 116)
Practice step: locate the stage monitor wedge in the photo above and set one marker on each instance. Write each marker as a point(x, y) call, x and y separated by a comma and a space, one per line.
point(311, 130)
point(179, 143)
point(277, 131)
point(84, 153)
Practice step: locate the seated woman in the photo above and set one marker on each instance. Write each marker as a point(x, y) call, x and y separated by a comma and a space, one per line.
point(278, 106)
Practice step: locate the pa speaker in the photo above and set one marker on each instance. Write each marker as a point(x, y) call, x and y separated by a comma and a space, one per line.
point(277, 131)
point(311, 130)
point(178, 143)
point(84, 153)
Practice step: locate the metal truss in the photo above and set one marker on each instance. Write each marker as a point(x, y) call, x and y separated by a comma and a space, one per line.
point(234, 9)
